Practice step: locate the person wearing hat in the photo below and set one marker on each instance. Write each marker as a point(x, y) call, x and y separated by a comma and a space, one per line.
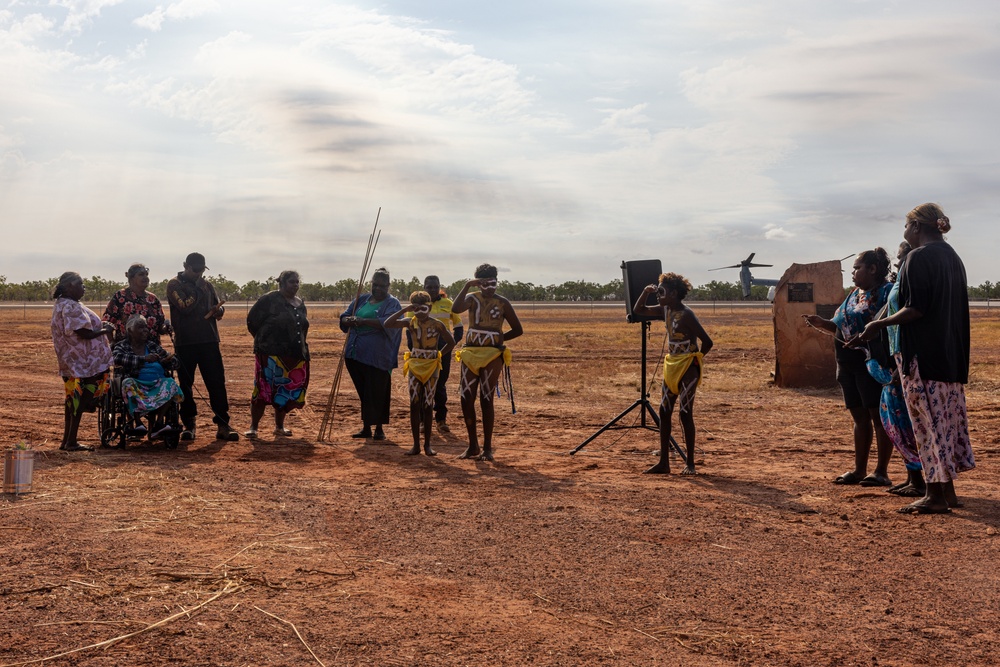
point(194, 310)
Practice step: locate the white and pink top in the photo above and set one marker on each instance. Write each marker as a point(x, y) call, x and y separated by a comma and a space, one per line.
point(78, 357)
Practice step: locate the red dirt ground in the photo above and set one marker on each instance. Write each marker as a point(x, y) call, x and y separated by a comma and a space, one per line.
point(239, 549)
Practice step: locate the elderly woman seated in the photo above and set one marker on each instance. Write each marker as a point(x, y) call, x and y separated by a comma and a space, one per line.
point(141, 363)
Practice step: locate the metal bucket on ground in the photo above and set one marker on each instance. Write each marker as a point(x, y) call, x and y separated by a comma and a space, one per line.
point(18, 466)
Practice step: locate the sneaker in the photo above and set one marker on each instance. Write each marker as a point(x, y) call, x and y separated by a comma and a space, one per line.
point(187, 434)
point(227, 434)
point(162, 432)
point(251, 434)
point(283, 431)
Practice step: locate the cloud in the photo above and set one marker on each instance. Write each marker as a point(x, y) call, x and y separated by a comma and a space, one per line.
point(722, 128)
point(843, 76)
point(774, 232)
point(80, 14)
point(178, 11)
point(152, 21)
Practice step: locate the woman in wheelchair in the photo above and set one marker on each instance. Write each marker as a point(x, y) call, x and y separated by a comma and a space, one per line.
point(145, 387)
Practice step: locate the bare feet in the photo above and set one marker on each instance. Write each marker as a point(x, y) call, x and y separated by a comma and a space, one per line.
point(907, 490)
point(925, 506)
point(949, 495)
point(470, 453)
point(414, 451)
point(661, 468)
point(429, 452)
point(487, 455)
point(689, 471)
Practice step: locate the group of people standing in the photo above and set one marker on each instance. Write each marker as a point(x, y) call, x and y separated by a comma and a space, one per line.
point(135, 321)
point(374, 323)
point(903, 350)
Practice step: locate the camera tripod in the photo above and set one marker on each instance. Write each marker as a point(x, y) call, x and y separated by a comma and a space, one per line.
point(644, 406)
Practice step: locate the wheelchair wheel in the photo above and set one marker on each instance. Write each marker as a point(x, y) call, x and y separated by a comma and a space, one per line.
point(171, 440)
point(111, 420)
point(173, 417)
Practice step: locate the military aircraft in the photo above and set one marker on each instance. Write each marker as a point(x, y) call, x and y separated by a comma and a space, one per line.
point(747, 279)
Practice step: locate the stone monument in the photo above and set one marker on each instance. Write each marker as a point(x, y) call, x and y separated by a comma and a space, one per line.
point(803, 356)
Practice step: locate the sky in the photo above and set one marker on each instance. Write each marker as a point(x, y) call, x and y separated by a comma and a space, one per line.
point(553, 139)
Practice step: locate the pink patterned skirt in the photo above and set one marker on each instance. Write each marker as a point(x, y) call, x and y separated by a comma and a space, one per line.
point(940, 425)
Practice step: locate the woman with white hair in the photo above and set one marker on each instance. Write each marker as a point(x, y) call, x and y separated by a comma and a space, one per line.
point(146, 388)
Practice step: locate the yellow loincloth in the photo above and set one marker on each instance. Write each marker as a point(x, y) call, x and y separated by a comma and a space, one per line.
point(675, 366)
point(475, 358)
point(422, 369)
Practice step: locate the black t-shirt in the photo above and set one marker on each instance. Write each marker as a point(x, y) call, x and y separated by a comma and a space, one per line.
point(932, 280)
point(190, 301)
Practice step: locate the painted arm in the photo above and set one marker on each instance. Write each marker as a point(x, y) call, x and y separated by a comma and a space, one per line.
point(449, 341)
point(515, 324)
point(640, 307)
point(462, 301)
point(698, 331)
point(398, 320)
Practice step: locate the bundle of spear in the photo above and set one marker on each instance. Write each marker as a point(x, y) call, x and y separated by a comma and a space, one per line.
point(331, 403)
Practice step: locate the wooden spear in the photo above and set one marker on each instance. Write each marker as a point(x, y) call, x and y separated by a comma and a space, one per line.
point(331, 403)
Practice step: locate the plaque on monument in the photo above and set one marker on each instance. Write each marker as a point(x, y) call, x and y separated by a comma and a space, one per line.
point(800, 292)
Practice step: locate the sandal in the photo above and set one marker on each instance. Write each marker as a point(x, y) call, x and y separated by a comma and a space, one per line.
point(76, 447)
point(875, 480)
point(282, 431)
point(923, 509)
point(908, 491)
point(848, 478)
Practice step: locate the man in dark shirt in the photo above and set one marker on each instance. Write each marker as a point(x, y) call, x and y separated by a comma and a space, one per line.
point(194, 311)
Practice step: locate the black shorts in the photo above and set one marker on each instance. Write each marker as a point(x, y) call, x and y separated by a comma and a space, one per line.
point(860, 388)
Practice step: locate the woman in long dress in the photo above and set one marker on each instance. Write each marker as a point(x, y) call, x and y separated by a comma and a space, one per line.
point(81, 343)
point(934, 355)
point(279, 325)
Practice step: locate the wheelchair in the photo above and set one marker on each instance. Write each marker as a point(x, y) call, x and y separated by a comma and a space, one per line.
point(117, 427)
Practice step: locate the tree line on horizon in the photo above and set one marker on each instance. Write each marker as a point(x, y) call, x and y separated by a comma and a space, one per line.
point(100, 289)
